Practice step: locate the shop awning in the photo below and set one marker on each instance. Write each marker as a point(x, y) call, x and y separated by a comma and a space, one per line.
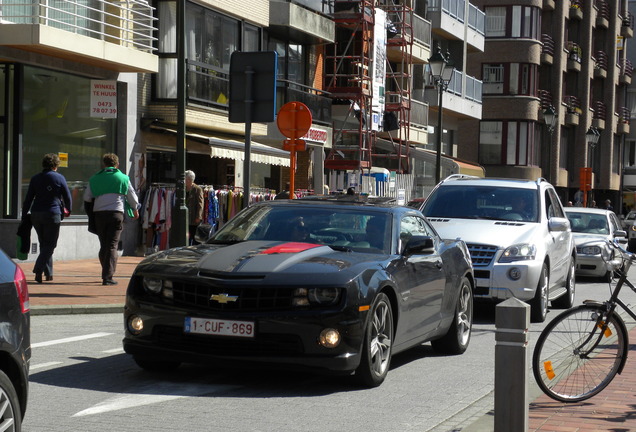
point(225, 147)
point(260, 153)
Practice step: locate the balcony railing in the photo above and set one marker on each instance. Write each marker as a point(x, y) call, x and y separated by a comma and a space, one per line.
point(623, 115)
point(627, 68)
point(603, 9)
point(474, 87)
point(548, 44)
point(323, 6)
point(628, 20)
point(574, 51)
point(128, 23)
point(419, 114)
point(600, 110)
point(318, 101)
point(545, 99)
point(476, 19)
point(209, 85)
point(456, 9)
point(572, 104)
point(601, 60)
point(422, 30)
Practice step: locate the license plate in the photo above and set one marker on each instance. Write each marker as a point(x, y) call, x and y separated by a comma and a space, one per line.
point(219, 327)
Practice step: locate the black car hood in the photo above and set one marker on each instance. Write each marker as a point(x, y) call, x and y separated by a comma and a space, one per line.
point(260, 258)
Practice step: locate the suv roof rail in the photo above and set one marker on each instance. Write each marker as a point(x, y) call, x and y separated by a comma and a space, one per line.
point(458, 176)
point(541, 179)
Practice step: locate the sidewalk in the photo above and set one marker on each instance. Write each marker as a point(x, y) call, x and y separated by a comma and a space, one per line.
point(77, 288)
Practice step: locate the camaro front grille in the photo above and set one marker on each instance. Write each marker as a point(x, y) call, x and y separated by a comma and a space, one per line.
point(481, 255)
point(231, 298)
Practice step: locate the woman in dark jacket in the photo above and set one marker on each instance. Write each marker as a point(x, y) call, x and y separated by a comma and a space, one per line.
point(47, 198)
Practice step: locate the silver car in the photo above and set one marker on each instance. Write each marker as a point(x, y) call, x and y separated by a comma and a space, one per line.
point(593, 229)
point(519, 239)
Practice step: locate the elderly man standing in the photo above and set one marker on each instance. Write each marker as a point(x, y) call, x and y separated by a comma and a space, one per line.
point(194, 202)
point(114, 195)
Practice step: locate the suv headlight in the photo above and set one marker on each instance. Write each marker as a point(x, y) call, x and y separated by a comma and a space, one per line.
point(518, 252)
point(590, 250)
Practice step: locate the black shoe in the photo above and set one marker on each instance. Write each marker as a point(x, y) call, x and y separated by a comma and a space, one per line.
point(109, 282)
point(49, 278)
point(38, 277)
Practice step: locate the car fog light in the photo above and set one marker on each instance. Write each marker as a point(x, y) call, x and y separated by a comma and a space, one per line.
point(329, 338)
point(135, 324)
point(514, 273)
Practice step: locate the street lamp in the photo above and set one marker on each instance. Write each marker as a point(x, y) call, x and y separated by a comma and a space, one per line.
point(591, 138)
point(550, 118)
point(442, 72)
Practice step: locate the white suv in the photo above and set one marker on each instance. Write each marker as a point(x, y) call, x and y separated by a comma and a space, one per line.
point(518, 236)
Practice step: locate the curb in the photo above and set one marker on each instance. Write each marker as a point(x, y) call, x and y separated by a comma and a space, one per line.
point(77, 309)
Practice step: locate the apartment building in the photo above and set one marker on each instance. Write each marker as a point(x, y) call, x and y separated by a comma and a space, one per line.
point(68, 85)
point(555, 75)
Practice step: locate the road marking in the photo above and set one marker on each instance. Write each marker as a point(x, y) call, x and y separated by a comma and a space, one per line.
point(70, 339)
point(114, 351)
point(43, 365)
point(152, 396)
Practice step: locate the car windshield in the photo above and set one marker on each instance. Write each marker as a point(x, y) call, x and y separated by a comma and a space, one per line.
point(588, 223)
point(357, 229)
point(483, 202)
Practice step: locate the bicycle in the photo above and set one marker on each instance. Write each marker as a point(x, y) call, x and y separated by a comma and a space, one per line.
point(582, 349)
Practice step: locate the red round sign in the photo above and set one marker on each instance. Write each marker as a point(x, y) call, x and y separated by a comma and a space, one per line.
point(294, 120)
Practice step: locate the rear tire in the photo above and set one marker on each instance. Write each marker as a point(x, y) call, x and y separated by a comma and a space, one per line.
point(456, 340)
point(10, 416)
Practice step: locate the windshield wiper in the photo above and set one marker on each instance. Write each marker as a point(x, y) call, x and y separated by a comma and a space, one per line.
point(341, 248)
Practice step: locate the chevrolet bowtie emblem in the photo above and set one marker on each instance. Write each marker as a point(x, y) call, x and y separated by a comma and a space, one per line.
point(223, 298)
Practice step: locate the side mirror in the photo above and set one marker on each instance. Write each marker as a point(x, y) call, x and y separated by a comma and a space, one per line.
point(620, 233)
point(558, 224)
point(203, 233)
point(419, 245)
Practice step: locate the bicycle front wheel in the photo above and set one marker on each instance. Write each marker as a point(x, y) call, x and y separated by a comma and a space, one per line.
point(579, 352)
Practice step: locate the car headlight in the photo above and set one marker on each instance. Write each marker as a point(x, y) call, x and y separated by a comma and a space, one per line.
point(633, 227)
point(518, 252)
point(153, 285)
point(589, 250)
point(323, 296)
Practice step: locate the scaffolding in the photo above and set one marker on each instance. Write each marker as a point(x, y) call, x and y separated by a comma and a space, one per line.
point(364, 111)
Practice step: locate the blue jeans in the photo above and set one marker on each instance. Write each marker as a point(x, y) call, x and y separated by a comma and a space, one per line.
point(47, 225)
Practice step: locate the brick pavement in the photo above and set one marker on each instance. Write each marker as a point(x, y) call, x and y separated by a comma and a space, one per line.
point(77, 288)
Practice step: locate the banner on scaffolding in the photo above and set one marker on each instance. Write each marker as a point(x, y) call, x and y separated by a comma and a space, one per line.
point(378, 70)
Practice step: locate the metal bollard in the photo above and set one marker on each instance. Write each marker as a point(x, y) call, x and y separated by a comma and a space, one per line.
point(512, 320)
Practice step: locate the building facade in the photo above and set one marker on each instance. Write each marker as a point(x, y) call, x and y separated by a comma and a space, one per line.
point(566, 58)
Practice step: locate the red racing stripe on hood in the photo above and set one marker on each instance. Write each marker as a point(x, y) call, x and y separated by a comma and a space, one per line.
point(291, 247)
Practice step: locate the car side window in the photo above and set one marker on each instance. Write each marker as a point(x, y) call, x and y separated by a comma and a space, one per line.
point(615, 223)
point(410, 226)
point(553, 205)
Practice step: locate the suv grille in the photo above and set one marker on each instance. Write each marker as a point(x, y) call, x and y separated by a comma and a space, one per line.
point(246, 298)
point(481, 255)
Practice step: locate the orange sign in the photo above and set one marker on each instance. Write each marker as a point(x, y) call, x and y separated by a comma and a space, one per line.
point(585, 177)
point(294, 120)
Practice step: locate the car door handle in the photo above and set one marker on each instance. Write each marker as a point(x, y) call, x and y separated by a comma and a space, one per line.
point(439, 264)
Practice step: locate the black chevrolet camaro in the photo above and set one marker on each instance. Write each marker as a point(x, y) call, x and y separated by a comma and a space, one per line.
point(327, 284)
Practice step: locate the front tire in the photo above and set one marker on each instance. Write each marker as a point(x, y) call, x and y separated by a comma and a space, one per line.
point(456, 340)
point(539, 304)
point(378, 341)
point(10, 417)
point(579, 353)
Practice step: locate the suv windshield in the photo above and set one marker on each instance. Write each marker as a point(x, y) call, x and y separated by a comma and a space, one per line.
point(483, 202)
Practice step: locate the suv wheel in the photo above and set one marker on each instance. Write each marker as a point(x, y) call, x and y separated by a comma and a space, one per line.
point(539, 304)
point(10, 414)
